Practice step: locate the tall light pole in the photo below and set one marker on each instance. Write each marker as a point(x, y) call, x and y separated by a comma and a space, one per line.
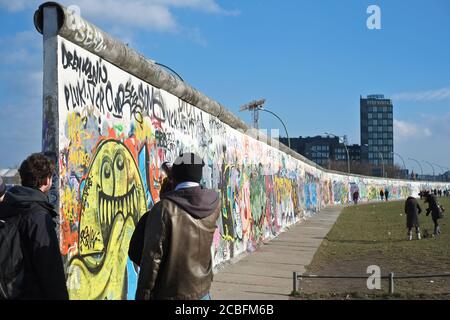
point(346, 149)
point(421, 169)
point(443, 170)
point(404, 165)
point(285, 128)
point(382, 162)
point(170, 69)
point(257, 106)
point(432, 167)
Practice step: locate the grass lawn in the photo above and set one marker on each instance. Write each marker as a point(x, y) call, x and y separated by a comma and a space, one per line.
point(376, 234)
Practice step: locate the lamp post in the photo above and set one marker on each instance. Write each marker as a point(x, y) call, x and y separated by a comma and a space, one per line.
point(421, 169)
point(346, 149)
point(382, 162)
point(285, 128)
point(432, 167)
point(404, 165)
point(170, 69)
point(443, 170)
point(257, 106)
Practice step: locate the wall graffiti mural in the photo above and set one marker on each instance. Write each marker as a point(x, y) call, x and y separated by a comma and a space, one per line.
point(115, 133)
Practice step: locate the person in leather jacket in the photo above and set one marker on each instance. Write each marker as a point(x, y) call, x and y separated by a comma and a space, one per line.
point(176, 261)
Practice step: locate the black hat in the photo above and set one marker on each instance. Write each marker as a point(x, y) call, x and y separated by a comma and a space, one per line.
point(188, 167)
point(2, 187)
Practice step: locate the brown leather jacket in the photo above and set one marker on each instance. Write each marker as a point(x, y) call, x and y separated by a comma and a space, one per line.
point(176, 261)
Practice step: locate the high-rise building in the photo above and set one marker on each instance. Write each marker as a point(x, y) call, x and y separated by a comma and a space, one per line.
point(377, 130)
point(323, 149)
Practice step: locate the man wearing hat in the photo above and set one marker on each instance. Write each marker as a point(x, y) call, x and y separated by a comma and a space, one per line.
point(176, 261)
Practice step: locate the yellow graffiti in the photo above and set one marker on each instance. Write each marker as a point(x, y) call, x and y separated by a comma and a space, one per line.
point(75, 132)
point(112, 202)
point(69, 203)
point(109, 282)
point(143, 130)
point(77, 136)
point(79, 158)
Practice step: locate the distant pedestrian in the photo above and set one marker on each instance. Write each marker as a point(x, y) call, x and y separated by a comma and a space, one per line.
point(436, 212)
point(176, 261)
point(382, 194)
point(30, 259)
point(412, 210)
point(386, 194)
point(355, 197)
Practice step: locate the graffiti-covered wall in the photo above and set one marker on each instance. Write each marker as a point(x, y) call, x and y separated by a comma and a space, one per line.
point(116, 131)
point(112, 133)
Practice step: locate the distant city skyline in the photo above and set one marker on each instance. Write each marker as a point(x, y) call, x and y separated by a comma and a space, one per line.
point(310, 60)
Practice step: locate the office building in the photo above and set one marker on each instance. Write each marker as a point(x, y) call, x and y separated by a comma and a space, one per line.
point(377, 130)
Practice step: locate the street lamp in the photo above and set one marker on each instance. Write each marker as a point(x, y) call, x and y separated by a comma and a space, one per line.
point(404, 165)
point(285, 128)
point(257, 106)
point(432, 167)
point(443, 170)
point(382, 162)
point(346, 149)
point(170, 69)
point(421, 169)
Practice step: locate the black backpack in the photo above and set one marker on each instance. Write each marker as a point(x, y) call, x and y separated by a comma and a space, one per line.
point(12, 270)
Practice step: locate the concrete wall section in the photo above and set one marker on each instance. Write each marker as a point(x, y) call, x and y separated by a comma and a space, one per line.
point(116, 131)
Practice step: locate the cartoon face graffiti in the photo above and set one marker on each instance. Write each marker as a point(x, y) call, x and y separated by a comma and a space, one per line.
point(113, 200)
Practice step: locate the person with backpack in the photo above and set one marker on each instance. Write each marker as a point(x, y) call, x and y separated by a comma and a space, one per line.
point(32, 267)
point(436, 211)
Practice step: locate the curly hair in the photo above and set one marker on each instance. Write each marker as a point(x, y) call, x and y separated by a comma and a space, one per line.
point(35, 170)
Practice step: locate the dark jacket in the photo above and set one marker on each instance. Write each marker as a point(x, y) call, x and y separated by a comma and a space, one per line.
point(137, 239)
point(412, 210)
point(44, 271)
point(432, 206)
point(176, 261)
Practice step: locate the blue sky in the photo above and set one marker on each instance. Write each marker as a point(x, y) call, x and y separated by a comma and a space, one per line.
point(310, 59)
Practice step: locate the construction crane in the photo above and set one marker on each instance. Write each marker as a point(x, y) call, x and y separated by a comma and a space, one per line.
point(254, 106)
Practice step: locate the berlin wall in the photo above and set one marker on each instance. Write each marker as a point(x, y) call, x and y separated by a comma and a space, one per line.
point(112, 117)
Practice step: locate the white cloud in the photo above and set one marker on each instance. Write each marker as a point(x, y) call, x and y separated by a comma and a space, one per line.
point(426, 140)
point(16, 5)
point(22, 48)
point(134, 13)
point(407, 131)
point(439, 123)
point(431, 95)
point(208, 6)
point(149, 14)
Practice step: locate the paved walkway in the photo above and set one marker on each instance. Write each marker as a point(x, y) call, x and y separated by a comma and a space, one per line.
point(267, 273)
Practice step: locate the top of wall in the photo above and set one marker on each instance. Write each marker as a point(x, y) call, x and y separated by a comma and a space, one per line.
point(86, 35)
